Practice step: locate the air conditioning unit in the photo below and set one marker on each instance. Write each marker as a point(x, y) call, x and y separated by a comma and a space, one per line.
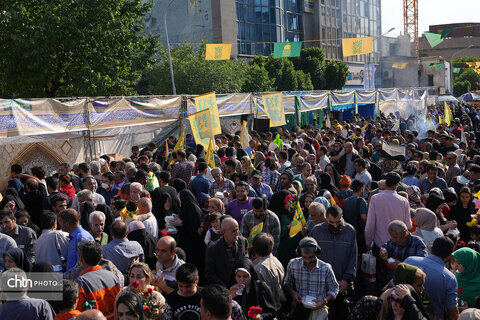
point(387, 74)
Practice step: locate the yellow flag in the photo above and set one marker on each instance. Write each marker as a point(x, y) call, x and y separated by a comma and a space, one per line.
point(298, 222)
point(244, 139)
point(356, 46)
point(332, 201)
point(209, 101)
point(441, 119)
point(218, 51)
point(211, 154)
point(447, 113)
point(327, 121)
point(165, 153)
point(364, 128)
point(255, 230)
point(273, 105)
point(181, 141)
point(201, 123)
point(399, 65)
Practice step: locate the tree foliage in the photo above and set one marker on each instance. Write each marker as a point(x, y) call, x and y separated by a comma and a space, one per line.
point(193, 74)
point(57, 47)
point(336, 73)
point(461, 87)
point(312, 62)
point(470, 76)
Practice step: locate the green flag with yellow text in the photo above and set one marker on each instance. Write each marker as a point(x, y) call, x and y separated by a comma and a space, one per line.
point(436, 37)
point(286, 49)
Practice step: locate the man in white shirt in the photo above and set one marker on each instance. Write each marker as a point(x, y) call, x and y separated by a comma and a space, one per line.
point(52, 245)
point(89, 183)
point(363, 175)
point(146, 216)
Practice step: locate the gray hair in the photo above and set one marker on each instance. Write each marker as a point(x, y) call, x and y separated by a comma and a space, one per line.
point(13, 273)
point(397, 226)
point(135, 185)
point(318, 207)
point(96, 214)
point(129, 165)
point(312, 178)
point(94, 166)
point(216, 169)
point(85, 195)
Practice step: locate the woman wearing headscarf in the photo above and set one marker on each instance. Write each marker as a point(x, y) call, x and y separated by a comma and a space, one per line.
point(240, 154)
point(258, 157)
point(249, 291)
point(282, 204)
point(16, 258)
point(467, 265)
point(188, 237)
point(414, 197)
point(436, 203)
point(200, 152)
point(462, 213)
point(247, 166)
point(402, 302)
point(333, 173)
point(12, 195)
point(167, 207)
point(326, 184)
point(86, 208)
point(137, 232)
point(179, 184)
point(216, 205)
point(426, 226)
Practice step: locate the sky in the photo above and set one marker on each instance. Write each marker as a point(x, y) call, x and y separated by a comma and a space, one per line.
point(430, 12)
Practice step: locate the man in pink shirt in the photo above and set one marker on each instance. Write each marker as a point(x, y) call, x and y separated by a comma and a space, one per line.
point(385, 207)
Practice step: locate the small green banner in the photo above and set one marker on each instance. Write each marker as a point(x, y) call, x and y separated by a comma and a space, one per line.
point(286, 49)
point(457, 70)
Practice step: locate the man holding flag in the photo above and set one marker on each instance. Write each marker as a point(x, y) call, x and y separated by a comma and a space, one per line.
point(338, 241)
point(260, 219)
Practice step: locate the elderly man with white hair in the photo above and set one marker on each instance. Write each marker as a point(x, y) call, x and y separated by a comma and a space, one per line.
point(146, 216)
point(137, 192)
point(97, 225)
point(89, 183)
point(220, 184)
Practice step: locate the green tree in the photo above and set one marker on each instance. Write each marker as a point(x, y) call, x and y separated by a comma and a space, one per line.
point(193, 74)
point(461, 87)
point(57, 47)
point(284, 75)
point(469, 75)
point(336, 73)
point(257, 80)
point(312, 61)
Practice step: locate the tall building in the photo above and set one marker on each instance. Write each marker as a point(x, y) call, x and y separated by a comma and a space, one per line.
point(464, 40)
point(256, 24)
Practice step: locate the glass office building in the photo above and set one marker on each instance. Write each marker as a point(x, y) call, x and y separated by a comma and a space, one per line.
point(267, 21)
point(318, 22)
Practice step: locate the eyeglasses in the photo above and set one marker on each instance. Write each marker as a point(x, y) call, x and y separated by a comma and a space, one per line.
point(395, 300)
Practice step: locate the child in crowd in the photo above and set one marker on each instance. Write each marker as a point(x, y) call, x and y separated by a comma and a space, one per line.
point(212, 223)
point(184, 303)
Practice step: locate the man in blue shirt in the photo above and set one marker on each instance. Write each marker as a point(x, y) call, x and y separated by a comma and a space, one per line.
point(440, 284)
point(69, 221)
point(432, 180)
point(200, 183)
point(107, 189)
point(259, 187)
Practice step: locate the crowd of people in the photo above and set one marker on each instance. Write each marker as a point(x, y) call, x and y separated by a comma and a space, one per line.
point(363, 219)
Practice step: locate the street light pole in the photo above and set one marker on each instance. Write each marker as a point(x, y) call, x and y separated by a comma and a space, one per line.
point(168, 47)
point(451, 65)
